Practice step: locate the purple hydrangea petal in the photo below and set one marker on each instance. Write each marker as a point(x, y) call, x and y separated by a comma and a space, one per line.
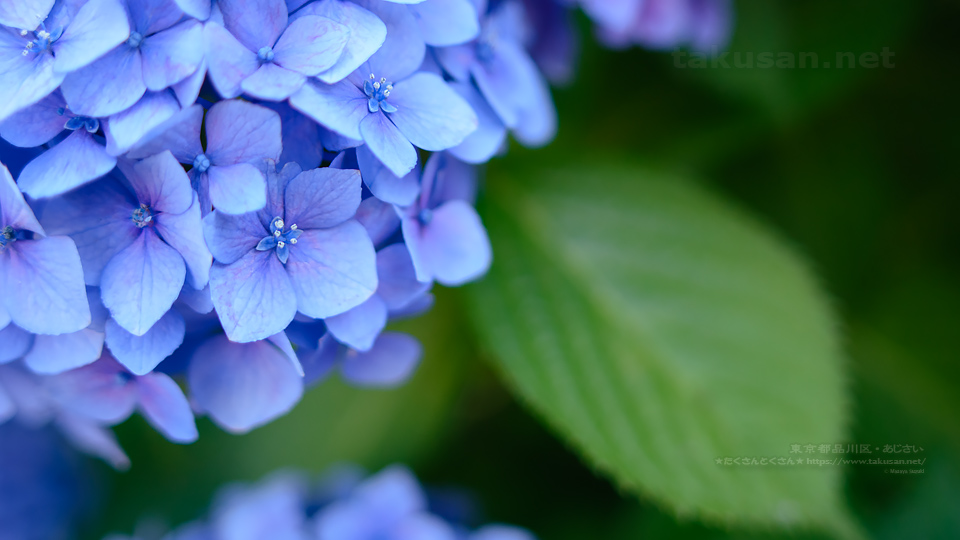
point(301, 135)
point(90, 437)
point(367, 34)
point(241, 132)
point(149, 17)
point(107, 86)
point(8, 409)
point(311, 44)
point(388, 144)
point(188, 90)
point(272, 82)
point(180, 135)
point(424, 526)
point(616, 15)
point(172, 55)
point(24, 14)
point(198, 9)
point(342, 521)
point(273, 510)
point(430, 114)
point(24, 80)
point(254, 297)
point(198, 301)
point(98, 27)
point(140, 354)
point(243, 385)
point(491, 134)
point(340, 107)
point(255, 23)
point(160, 183)
point(359, 327)
point(332, 270)
point(453, 248)
point(4, 321)
point(16, 342)
point(322, 198)
point(166, 408)
point(399, 285)
point(447, 22)
point(232, 236)
point(501, 532)
point(43, 286)
point(56, 354)
point(391, 494)
point(100, 391)
point(282, 342)
point(403, 49)
point(126, 129)
point(385, 185)
point(141, 282)
point(78, 159)
point(14, 211)
point(228, 61)
point(235, 189)
point(36, 124)
point(184, 233)
point(390, 362)
point(378, 218)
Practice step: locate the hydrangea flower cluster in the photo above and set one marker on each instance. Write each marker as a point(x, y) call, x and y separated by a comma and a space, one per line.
point(239, 195)
point(342, 505)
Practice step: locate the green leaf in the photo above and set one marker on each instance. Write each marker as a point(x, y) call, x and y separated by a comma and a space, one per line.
point(657, 329)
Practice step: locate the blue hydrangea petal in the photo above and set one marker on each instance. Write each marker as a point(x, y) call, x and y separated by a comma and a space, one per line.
point(391, 495)
point(243, 385)
point(198, 9)
point(430, 114)
point(98, 391)
point(712, 25)
point(14, 211)
point(447, 22)
point(184, 232)
point(378, 218)
point(311, 45)
point(388, 144)
point(403, 49)
point(8, 409)
point(232, 236)
point(322, 198)
point(490, 136)
point(384, 184)
point(392, 360)
point(76, 160)
point(301, 135)
point(453, 248)
point(160, 183)
point(332, 270)
point(501, 532)
point(91, 437)
point(55, 354)
point(425, 526)
point(273, 509)
point(343, 521)
point(254, 296)
point(457, 60)
point(126, 129)
point(140, 354)
point(141, 282)
point(23, 14)
point(255, 23)
point(4, 320)
point(241, 132)
point(97, 27)
point(236, 189)
point(43, 286)
point(272, 82)
point(24, 80)
point(188, 90)
point(180, 135)
point(172, 55)
point(399, 285)
point(166, 408)
point(16, 341)
point(36, 124)
point(276, 186)
point(366, 36)
point(108, 85)
point(228, 61)
point(359, 327)
point(340, 107)
point(149, 17)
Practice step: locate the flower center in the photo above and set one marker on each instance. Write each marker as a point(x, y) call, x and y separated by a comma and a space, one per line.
point(280, 239)
point(136, 38)
point(201, 163)
point(265, 55)
point(425, 216)
point(77, 122)
point(7, 235)
point(142, 216)
point(42, 39)
point(378, 92)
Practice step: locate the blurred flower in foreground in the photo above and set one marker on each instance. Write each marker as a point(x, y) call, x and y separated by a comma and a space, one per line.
point(390, 505)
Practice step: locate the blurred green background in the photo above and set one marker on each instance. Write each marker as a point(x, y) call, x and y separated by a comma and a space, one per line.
point(856, 168)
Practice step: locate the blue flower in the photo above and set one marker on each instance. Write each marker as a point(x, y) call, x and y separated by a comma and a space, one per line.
point(663, 24)
point(41, 276)
point(387, 104)
point(366, 36)
point(301, 253)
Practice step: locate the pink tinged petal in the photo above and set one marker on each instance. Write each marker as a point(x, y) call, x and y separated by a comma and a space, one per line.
point(16, 342)
point(165, 407)
point(237, 189)
point(43, 286)
point(385, 185)
point(255, 23)
point(232, 236)
point(188, 90)
point(399, 285)
point(55, 354)
point(180, 135)
point(228, 61)
point(272, 82)
point(107, 86)
point(311, 45)
point(140, 354)
point(254, 296)
point(447, 22)
point(98, 27)
point(24, 14)
point(241, 132)
point(386, 142)
point(490, 136)
point(184, 233)
point(198, 9)
point(332, 270)
point(243, 386)
point(160, 183)
point(359, 327)
point(36, 124)
point(92, 438)
point(453, 248)
point(14, 211)
point(126, 129)
point(24, 80)
point(390, 362)
point(140, 284)
point(340, 107)
point(322, 198)
point(172, 55)
point(100, 391)
point(430, 114)
point(78, 159)
point(403, 49)
point(378, 218)
point(367, 34)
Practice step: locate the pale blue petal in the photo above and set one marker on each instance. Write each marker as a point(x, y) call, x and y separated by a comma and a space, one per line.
point(501, 532)
point(403, 49)
point(14, 211)
point(16, 342)
point(367, 34)
point(340, 107)
point(184, 232)
point(180, 135)
point(378, 218)
point(126, 129)
point(453, 248)
point(311, 45)
point(392, 360)
point(491, 134)
point(430, 114)
point(199, 9)
point(165, 407)
point(255, 23)
point(447, 22)
point(399, 285)
point(92, 438)
point(359, 327)
point(272, 82)
point(55, 354)
point(172, 55)
point(140, 354)
point(24, 14)
point(78, 159)
point(160, 183)
point(36, 124)
point(106, 86)
point(253, 296)
point(97, 391)
point(322, 198)
point(232, 236)
point(98, 27)
point(386, 142)
point(241, 132)
point(236, 189)
point(385, 185)
point(228, 61)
